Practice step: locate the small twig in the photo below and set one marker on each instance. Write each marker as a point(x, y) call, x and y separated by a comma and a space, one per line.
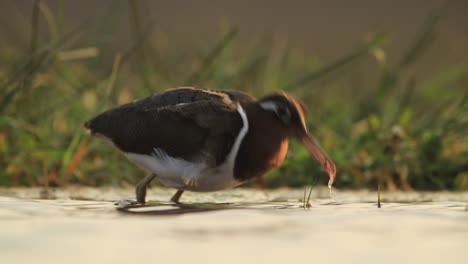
point(304, 199)
point(112, 78)
point(378, 195)
point(34, 27)
point(307, 204)
point(141, 46)
point(79, 153)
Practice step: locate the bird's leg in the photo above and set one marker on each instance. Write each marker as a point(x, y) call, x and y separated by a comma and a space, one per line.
point(175, 198)
point(141, 188)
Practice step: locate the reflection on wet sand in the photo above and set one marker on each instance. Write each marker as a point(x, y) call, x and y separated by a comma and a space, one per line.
point(156, 208)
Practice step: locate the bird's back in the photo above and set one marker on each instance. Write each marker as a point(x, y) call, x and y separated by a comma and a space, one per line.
point(182, 122)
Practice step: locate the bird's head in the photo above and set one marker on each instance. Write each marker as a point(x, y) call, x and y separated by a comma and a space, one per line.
point(291, 112)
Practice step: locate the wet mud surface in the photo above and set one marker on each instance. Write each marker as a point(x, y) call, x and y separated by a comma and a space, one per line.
point(84, 225)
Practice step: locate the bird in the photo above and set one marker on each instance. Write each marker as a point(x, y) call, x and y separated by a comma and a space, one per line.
point(205, 140)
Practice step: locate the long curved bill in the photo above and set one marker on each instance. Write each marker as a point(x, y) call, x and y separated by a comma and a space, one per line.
point(320, 156)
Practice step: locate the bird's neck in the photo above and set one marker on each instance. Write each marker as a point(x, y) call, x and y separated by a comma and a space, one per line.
point(264, 147)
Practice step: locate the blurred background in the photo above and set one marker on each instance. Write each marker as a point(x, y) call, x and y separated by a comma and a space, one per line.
point(386, 82)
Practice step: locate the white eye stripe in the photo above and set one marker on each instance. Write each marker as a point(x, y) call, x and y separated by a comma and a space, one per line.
point(282, 113)
point(269, 106)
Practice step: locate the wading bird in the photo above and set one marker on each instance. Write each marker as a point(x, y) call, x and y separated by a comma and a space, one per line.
point(206, 140)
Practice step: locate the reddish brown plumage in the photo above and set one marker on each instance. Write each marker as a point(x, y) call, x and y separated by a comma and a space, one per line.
point(265, 146)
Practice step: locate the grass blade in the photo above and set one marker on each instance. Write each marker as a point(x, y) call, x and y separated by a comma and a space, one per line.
point(375, 42)
point(197, 76)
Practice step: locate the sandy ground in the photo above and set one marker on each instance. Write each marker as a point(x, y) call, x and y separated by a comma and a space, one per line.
point(82, 225)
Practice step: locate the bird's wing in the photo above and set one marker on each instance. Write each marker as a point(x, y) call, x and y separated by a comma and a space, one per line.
point(182, 95)
point(186, 130)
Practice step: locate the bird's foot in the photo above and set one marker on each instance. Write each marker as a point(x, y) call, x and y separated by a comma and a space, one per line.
point(176, 201)
point(141, 193)
point(125, 203)
point(176, 197)
point(141, 188)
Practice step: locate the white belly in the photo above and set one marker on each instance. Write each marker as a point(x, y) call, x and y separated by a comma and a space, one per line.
point(198, 177)
point(184, 175)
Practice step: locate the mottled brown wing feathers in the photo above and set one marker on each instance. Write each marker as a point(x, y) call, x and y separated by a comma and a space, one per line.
point(179, 96)
point(185, 123)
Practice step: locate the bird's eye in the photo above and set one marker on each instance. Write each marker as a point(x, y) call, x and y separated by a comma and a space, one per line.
point(281, 111)
point(284, 115)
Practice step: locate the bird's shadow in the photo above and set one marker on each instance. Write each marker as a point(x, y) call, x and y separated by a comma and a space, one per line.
point(161, 208)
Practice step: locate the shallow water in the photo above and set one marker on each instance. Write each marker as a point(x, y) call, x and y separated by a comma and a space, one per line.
point(82, 225)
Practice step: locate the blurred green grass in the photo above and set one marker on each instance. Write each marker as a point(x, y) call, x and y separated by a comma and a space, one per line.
point(402, 132)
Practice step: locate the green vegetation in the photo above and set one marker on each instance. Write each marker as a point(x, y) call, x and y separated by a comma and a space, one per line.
point(400, 131)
